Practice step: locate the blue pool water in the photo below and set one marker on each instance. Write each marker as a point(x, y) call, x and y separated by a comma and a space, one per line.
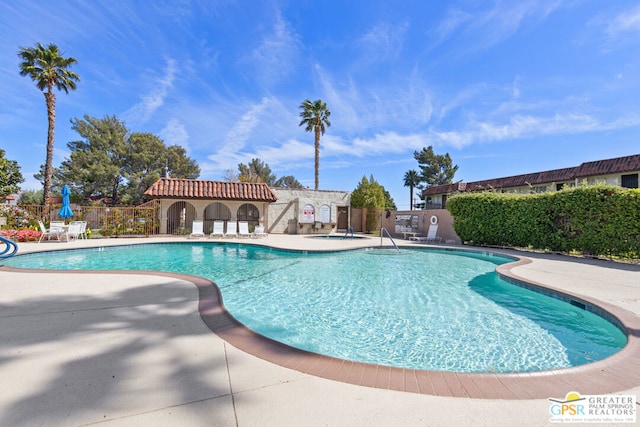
point(417, 308)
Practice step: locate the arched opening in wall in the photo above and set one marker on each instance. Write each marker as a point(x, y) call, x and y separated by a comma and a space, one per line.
point(215, 212)
point(249, 213)
point(180, 216)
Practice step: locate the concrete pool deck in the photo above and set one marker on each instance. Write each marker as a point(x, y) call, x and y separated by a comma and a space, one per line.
point(129, 349)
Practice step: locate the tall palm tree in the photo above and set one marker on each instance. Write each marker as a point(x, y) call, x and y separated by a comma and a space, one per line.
point(411, 179)
point(315, 116)
point(48, 68)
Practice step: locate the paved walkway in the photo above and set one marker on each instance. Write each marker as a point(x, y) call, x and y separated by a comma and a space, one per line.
point(132, 349)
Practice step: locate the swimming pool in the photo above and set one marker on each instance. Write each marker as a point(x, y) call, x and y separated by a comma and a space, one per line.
point(419, 308)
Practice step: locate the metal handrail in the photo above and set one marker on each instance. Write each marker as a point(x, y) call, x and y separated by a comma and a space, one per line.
point(391, 238)
point(10, 250)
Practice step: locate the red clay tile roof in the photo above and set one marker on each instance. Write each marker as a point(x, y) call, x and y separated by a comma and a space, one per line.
point(557, 175)
point(604, 167)
point(599, 167)
point(201, 189)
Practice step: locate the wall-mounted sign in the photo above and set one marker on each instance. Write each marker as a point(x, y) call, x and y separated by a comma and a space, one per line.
point(325, 214)
point(308, 214)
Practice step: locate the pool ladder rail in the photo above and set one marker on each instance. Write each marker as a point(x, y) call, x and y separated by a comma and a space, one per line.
point(384, 230)
point(350, 231)
point(10, 249)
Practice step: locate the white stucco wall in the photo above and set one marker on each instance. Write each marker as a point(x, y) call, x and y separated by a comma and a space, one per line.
point(282, 216)
point(286, 214)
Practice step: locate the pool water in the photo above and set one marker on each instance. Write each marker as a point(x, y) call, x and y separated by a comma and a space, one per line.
point(416, 308)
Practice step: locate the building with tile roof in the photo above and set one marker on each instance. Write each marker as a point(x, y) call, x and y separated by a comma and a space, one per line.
point(621, 171)
point(176, 188)
point(291, 211)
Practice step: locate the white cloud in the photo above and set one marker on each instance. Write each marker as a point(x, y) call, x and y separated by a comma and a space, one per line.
point(383, 42)
point(355, 110)
point(381, 143)
point(276, 56)
point(240, 132)
point(287, 155)
point(454, 20)
point(154, 99)
point(175, 133)
point(487, 27)
point(529, 126)
point(625, 22)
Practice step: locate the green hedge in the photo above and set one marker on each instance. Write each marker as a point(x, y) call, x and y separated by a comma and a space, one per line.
point(597, 220)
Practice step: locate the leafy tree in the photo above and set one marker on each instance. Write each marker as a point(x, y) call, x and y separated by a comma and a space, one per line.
point(437, 169)
point(259, 171)
point(56, 179)
point(48, 68)
point(10, 176)
point(112, 162)
point(256, 171)
point(288, 181)
point(30, 197)
point(95, 167)
point(231, 176)
point(179, 164)
point(388, 200)
point(371, 195)
point(368, 194)
point(315, 116)
point(144, 166)
point(411, 179)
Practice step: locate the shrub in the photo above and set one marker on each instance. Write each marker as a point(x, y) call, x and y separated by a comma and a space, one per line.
point(597, 220)
point(25, 235)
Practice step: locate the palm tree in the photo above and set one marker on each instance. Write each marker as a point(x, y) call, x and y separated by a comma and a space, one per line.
point(47, 67)
point(411, 179)
point(315, 115)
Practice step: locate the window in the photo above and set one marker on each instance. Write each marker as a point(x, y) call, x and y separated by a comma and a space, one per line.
point(630, 181)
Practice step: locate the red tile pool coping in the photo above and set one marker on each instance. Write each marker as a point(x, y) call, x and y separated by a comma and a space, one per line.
point(616, 373)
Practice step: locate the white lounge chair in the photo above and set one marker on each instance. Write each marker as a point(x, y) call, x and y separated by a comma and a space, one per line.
point(83, 229)
point(232, 229)
point(432, 235)
point(73, 231)
point(243, 229)
point(49, 232)
point(197, 228)
point(218, 229)
point(259, 231)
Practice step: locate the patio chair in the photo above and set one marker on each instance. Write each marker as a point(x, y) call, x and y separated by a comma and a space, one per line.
point(49, 232)
point(243, 229)
point(73, 231)
point(232, 230)
point(431, 235)
point(259, 231)
point(197, 228)
point(218, 229)
point(83, 229)
point(58, 224)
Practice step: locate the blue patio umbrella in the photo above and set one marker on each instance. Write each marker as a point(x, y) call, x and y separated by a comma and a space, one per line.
point(65, 211)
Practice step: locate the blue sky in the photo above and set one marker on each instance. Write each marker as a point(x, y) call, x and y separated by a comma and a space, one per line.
point(505, 87)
